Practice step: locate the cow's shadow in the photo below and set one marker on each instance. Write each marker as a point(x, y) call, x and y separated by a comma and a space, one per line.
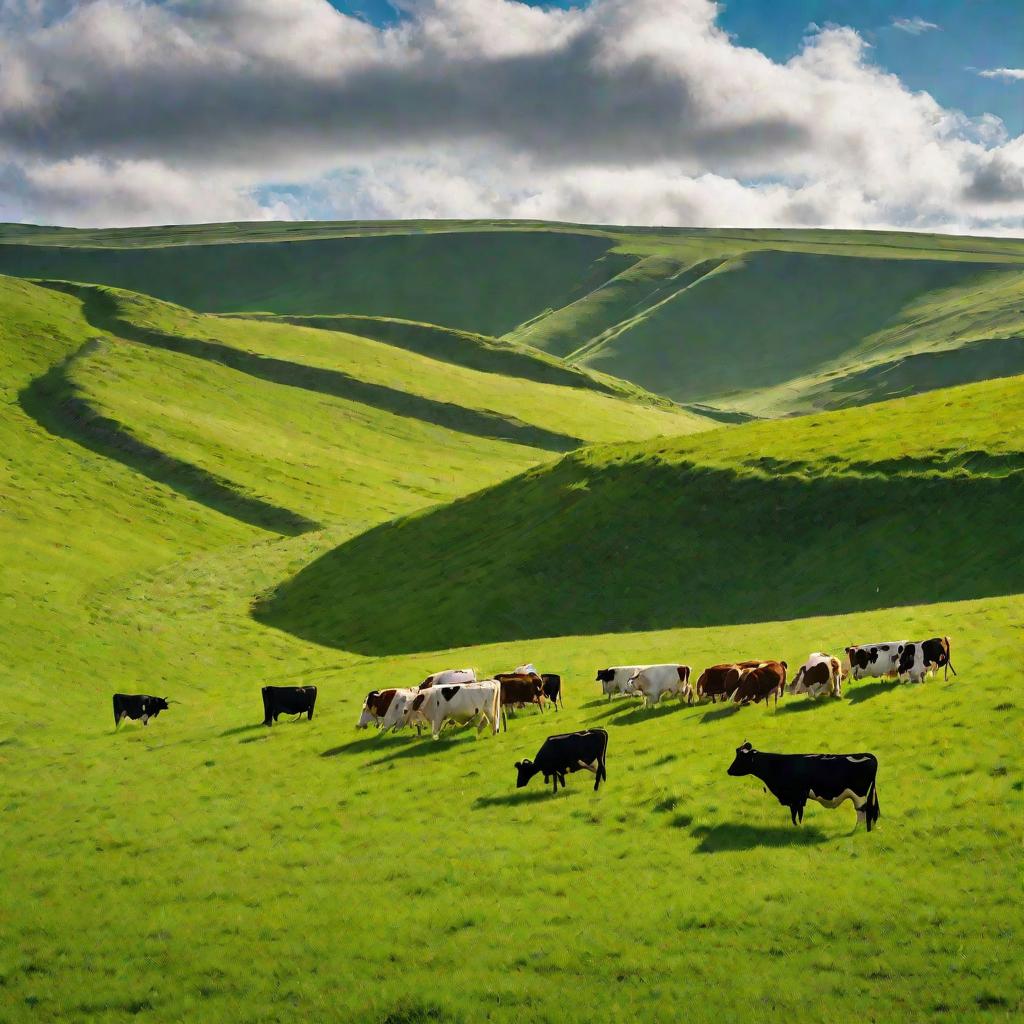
point(809, 704)
point(426, 747)
point(855, 696)
point(358, 746)
point(720, 711)
point(534, 796)
point(643, 714)
point(732, 837)
point(238, 729)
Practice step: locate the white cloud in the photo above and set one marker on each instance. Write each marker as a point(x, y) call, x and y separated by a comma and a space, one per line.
point(624, 111)
point(1010, 74)
point(915, 26)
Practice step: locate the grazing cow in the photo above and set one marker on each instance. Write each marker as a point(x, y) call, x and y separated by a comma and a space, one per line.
point(613, 680)
point(136, 706)
point(830, 779)
point(568, 752)
point(518, 690)
point(657, 681)
point(462, 703)
point(718, 681)
point(287, 700)
point(552, 685)
point(375, 707)
point(936, 655)
point(761, 681)
point(400, 714)
point(875, 659)
point(820, 672)
point(449, 677)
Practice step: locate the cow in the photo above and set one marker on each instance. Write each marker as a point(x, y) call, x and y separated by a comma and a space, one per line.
point(449, 677)
point(875, 659)
point(818, 674)
point(136, 706)
point(518, 690)
point(937, 655)
point(287, 700)
point(552, 685)
point(462, 703)
point(568, 752)
point(718, 681)
point(375, 707)
point(760, 681)
point(613, 680)
point(529, 669)
point(830, 779)
point(657, 681)
point(399, 714)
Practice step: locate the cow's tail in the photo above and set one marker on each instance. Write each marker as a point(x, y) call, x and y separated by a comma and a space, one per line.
point(602, 771)
point(117, 717)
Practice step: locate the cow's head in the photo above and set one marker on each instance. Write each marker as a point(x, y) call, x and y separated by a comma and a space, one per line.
point(526, 769)
point(743, 764)
point(605, 675)
point(366, 717)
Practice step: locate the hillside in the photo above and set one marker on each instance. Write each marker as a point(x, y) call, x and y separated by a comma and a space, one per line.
point(901, 503)
point(379, 489)
point(762, 323)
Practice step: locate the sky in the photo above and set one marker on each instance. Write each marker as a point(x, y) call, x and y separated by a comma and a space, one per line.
point(788, 113)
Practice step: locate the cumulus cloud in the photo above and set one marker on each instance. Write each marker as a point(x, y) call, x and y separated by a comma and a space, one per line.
point(623, 111)
point(1009, 74)
point(915, 26)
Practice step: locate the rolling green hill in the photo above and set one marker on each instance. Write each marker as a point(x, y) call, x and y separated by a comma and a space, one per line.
point(897, 504)
point(376, 499)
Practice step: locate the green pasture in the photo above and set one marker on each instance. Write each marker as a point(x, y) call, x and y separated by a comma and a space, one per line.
point(196, 506)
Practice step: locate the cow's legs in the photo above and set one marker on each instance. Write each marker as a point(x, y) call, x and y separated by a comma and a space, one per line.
point(145, 719)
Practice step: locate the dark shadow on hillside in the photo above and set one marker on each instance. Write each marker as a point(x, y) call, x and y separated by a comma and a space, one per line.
point(731, 838)
point(101, 312)
point(856, 694)
point(55, 403)
point(517, 799)
point(573, 549)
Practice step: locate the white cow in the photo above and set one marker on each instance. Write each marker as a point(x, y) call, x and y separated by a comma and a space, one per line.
point(657, 681)
point(818, 674)
point(529, 669)
point(461, 703)
point(449, 677)
point(879, 659)
point(613, 680)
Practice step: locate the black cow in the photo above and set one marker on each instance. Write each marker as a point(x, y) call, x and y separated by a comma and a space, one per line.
point(568, 752)
point(136, 706)
point(552, 685)
point(828, 778)
point(287, 700)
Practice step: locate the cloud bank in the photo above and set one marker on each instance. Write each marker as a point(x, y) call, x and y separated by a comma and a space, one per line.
point(624, 111)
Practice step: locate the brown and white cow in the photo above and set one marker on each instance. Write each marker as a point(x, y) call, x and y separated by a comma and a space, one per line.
point(721, 680)
point(761, 681)
point(519, 689)
point(375, 707)
point(818, 674)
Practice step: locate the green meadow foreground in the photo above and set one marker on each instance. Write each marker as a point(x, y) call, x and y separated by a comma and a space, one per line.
point(196, 506)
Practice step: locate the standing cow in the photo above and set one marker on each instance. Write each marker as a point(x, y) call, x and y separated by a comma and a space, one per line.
point(136, 706)
point(287, 700)
point(400, 714)
point(818, 674)
point(375, 707)
point(657, 681)
point(462, 704)
point(552, 685)
point(919, 658)
point(568, 752)
point(613, 680)
point(449, 677)
point(760, 681)
point(875, 659)
point(793, 779)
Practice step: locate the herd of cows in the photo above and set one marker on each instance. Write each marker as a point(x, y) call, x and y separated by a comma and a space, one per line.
point(459, 697)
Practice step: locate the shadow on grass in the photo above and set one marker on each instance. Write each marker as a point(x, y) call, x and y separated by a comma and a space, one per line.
point(240, 729)
point(375, 739)
point(803, 705)
point(725, 838)
point(425, 748)
point(533, 796)
point(872, 690)
point(722, 711)
point(642, 714)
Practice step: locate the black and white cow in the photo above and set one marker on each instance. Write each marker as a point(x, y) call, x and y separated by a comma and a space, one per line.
point(793, 779)
point(875, 659)
point(136, 706)
point(568, 752)
point(552, 684)
point(287, 700)
point(921, 657)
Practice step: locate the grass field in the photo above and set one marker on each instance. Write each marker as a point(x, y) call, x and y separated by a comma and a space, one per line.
point(392, 504)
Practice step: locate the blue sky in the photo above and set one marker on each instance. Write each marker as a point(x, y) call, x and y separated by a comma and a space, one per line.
point(971, 35)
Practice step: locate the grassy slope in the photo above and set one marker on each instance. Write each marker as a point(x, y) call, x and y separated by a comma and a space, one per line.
point(902, 502)
point(204, 868)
